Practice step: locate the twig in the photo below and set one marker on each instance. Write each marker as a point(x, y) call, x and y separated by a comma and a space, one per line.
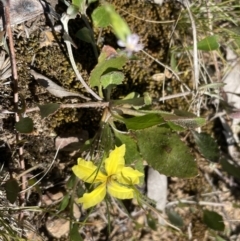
point(78, 105)
point(201, 203)
point(175, 96)
point(63, 106)
point(168, 68)
point(15, 90)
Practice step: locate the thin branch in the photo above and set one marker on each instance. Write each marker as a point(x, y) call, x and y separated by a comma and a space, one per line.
point(15, 89)
point(201, 203)
point(168, 68)
point(78, 105)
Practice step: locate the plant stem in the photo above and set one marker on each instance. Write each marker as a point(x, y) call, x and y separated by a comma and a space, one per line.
point(65, 18)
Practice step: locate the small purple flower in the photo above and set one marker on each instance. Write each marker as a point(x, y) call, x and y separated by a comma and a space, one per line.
point(131, 44)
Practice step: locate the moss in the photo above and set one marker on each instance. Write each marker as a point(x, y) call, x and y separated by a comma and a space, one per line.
point(140, 15)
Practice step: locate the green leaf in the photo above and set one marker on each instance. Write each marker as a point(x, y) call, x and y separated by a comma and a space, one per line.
point(142, 122)
point(147, 98)
point(175, 218)
point(183, 113)
point(12, 190)
point(209, 43)
point(173, 62)
point(33, 182)
point(218, 238)
point(101, 17)
point(132, 154)
point(112, 78)
point(104, 67)
point(77, 3)
point(184, 122)
point(132, 95)
point(48, 109)
point(80, 5)
point(165, 152)
point(74, 233)
point(231, 169)
point(64, 203)
point(152, 222)
point(25, 125)
point(118, 24)
point(207, 146)
point(136, 102)
point(91, 1)
point(211, 86)
point(107, 138)
point(85, 35)
point(175, 127)
point(71, 182)
point(213, 220)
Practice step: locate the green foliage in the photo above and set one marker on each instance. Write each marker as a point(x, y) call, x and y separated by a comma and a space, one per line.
point(165, 152)
point(105, 16)
point(119, 25)
point(64, 203)
point(175, 218)
point(207, 146)
point(132, 155)
point(74, 233)
point(85, 35)
point(25, 125)
point(152, 222)
point(231, 169)
point(48, 109)
point(71, 181)
point(112, 78)
point(129, 102)
point(209, 43)
point(212, 86)
point(142, 122)
point(79, 5)
point(101, 17)
point(176, 121)
point(106, 66)
point(213, 220)
point(12, 190)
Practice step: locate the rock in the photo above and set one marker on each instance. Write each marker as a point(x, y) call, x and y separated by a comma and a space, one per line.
point(69, 142)
point(49, 198)
point(58, 227)
point(157, 190)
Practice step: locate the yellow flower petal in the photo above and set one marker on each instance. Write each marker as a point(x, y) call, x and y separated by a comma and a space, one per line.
point(115, 162)
point(87, 171)
point(129, 176)
point(93, 198)
point(119, 191)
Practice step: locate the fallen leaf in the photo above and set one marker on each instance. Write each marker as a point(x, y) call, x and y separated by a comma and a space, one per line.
point(47, 39)
point(53, 88)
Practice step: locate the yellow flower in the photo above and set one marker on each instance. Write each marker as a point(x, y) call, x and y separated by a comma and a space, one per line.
point(116, 181)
